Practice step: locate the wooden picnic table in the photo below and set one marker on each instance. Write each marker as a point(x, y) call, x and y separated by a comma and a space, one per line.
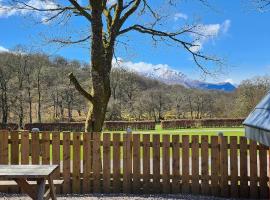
point(21, 174)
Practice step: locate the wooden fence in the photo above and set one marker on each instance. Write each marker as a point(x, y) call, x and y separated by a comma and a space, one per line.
point(112, 163)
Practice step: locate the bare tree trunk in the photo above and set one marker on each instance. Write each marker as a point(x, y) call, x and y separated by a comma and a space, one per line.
point(30, 104)
point(39, 98)
point(4, 105)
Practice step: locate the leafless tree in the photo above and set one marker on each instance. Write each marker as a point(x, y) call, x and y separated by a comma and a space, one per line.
point(108, 21)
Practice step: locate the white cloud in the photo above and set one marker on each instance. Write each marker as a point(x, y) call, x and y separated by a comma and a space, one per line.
point(207, 32)
point(179, 15)
point(7, 10)
point(3, 49)
point(226, 25)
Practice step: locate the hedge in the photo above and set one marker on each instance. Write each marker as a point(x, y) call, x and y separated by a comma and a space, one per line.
point(134, 125)
point(222, 122)
point(179, 123)
point(10, 126)
point(63, 126)
point(189, 123)
point(79, 126)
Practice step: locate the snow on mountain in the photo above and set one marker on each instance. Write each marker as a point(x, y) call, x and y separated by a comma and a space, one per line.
point(164, 73)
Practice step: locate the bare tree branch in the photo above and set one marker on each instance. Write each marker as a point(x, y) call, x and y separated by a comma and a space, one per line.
point(78, 86)
point(173, 36)
point(81, 10)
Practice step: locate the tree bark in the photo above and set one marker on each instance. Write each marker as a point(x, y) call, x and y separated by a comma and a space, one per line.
point(39, 97)
point(101, 59)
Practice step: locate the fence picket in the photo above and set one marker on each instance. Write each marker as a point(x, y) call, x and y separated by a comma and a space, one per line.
point(66, 162)
point(25, 147)
point(243, 168)
point(136, 163)
point(45, 148)
point(146, 163)
point(253, 170)
point(224, 184)
point(4, 147)
point(127, 163)
point(195, 187)
point(76, 183)
point(166, 164)
point(35, 147)
point(106, 162)
point(263, 172)
point(96, 163)
point(86, 162)
point(14, 147)
point(56, 155)
point(185, 164)
point(4, 152)
point(175, 164)
point(204, 165)
point(116, 164)
point(215, 189)
point(234, 167)
point(156, 163)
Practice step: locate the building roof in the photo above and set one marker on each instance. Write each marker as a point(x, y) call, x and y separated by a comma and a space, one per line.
point(260, 116)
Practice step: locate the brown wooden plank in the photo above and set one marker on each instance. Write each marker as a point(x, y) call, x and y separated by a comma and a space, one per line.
point(234, 167)
point(116, 163)
point(215, 189)
point(136, 163)
point(76, 183)
point(166, 164)
point(14, 147)
point(175, 164)
point(107, 162)
point(45, 148)
point(224, 184)
point(25, 147)
point(26, 171)
point(195, 187)
point(263, 172)
point(243, 168)
point(156, 163)
point(96, 163)
point(56, 155)
point(35, 148)
point(14, 150)
point(254, 194)
point(86, 162)
point(66, 162)
point(146, 163)
point(204, 165)
point(4, 151)
point(185, 164)
point(127, 163)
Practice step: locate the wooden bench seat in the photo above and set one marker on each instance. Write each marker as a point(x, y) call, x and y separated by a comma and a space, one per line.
point(13, 183)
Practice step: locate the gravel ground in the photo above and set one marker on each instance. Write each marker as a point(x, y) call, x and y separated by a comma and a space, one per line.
point(117, 197)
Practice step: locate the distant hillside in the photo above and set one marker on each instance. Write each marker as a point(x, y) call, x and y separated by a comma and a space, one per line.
point(174, 77)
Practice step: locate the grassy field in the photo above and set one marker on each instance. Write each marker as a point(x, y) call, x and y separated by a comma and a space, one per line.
point(192, 131)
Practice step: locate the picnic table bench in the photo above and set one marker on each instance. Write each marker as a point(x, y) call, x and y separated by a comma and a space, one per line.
point(31, 178)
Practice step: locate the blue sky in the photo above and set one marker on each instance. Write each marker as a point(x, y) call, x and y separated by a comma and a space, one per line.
point(241, 37)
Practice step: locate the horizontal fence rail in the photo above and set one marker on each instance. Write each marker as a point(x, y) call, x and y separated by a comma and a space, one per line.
point(147, 163)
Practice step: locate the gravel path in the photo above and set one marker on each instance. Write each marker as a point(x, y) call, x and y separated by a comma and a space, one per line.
point(118, 197)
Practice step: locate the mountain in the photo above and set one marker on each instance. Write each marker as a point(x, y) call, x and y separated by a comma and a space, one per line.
point(169, 76)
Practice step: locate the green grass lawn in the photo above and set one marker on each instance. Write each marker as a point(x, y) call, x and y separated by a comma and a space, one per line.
point(191, 131)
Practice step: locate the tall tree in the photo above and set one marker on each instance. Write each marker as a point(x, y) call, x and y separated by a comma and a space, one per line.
point(108, 21)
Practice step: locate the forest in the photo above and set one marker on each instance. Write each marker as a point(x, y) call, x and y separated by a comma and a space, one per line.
point(35, 87)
